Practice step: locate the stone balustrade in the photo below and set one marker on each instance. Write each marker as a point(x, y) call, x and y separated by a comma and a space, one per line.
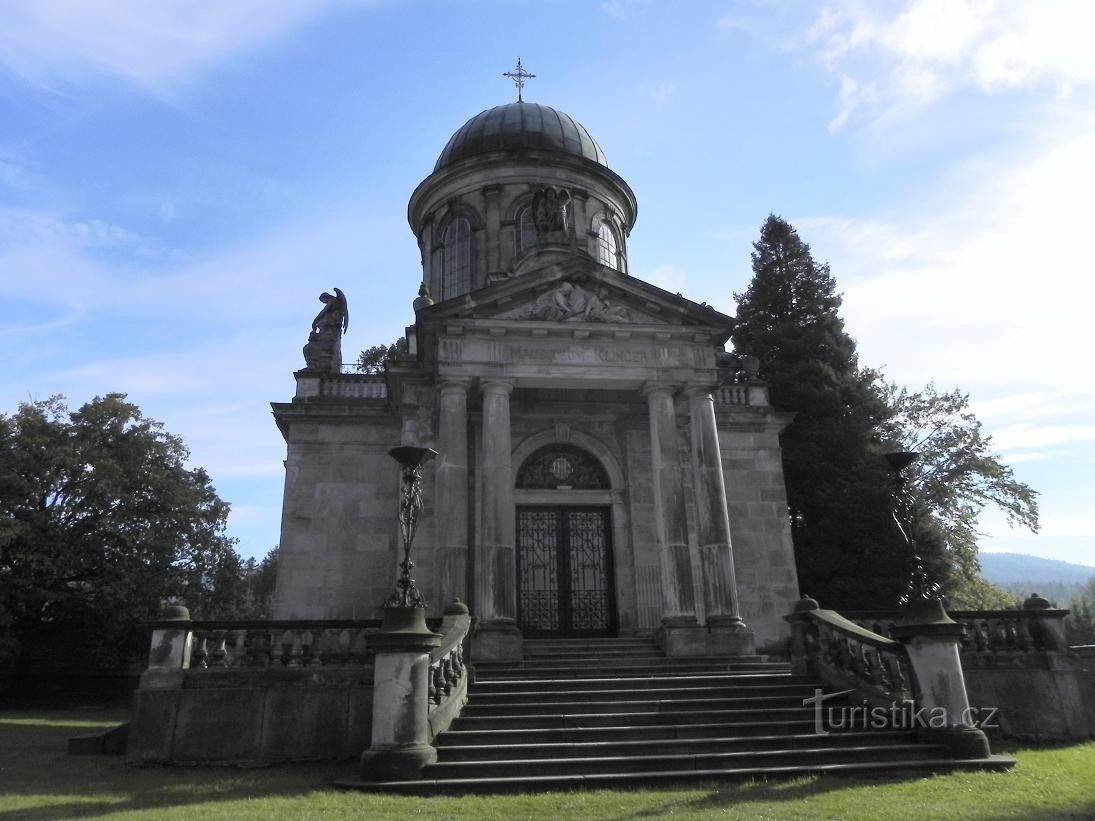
point(989, 631)
point(286, 644)
point(448, 678)
point(848, 656)
point(353, 386)
point(916, 668)
point(733, 394)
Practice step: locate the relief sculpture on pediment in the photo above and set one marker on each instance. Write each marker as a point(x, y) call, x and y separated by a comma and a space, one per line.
point(570, 302)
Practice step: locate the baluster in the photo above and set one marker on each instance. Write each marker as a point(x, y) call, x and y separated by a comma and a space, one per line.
point(432, 684)
point(219, 656)
point(358, 646)
point(199, 655)
point(1023, 638)
point(296, 649)
point(450, 672)
point(315, 649)
point(240, 649)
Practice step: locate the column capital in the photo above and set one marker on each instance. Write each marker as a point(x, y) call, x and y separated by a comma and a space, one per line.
point(453, 385)
point(502, 387)
point(700, 389)
point(656, 388)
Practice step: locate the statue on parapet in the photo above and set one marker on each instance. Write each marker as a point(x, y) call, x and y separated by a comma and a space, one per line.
point(324, 349)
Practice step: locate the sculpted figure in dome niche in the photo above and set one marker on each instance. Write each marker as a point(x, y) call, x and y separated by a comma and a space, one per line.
point(550, 210)
point(324, 349)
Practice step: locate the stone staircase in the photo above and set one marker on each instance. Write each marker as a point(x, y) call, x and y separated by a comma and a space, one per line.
point(606, 712)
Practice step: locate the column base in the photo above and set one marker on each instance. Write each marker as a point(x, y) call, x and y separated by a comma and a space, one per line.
point(730, 640)
point(497, 641)
point(690, 640)
point(683, 640)
point(401, 763)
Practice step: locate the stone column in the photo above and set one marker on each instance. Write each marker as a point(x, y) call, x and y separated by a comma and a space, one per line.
point(671, 526)
point(720, 591)
point(451, 476)
point(495, 594)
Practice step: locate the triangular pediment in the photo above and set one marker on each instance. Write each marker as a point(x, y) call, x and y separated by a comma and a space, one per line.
point(577, 291)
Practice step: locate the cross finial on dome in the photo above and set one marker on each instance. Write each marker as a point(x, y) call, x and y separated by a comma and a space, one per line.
point(518, 75)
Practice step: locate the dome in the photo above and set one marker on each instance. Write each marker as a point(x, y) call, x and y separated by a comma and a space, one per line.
point(521, 126)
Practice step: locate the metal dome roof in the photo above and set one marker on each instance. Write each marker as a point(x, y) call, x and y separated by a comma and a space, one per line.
point(520, 126)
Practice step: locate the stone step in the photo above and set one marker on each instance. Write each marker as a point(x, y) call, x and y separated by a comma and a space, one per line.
point(685, 762)
point(648, 682)
point(669, 746)
point(480, 707)
point(611, 780)
point(670, 715)
point(652, 689)
point(619, 668)
point(623, 732)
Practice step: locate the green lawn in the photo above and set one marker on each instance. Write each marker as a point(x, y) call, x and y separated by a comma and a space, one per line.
point(39, 781)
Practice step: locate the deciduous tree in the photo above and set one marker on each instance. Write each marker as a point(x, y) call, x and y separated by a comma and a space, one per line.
point(101, 519)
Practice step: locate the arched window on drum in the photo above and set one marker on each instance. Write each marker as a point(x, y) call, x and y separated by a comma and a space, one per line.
point(608, 246)
point(456, 259)
point(524, 237)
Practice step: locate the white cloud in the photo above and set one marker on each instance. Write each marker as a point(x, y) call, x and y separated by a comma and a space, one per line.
point(152, 44)
point(896, 60)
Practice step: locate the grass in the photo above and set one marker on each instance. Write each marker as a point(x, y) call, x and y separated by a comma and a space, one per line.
point(40, 782)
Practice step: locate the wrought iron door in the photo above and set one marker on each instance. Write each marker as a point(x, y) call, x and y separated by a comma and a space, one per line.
point(564, 572)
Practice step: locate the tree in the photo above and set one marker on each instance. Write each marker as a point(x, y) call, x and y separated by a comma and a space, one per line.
point(846, 546)
point(955, 476)
point(1080, 622)
point(101, 520)
point(254, 596)
point(372, 360)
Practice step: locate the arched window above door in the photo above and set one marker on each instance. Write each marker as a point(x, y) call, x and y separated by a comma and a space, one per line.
point(562, 466)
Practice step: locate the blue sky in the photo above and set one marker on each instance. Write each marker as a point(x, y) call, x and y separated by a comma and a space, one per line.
point(179, 180)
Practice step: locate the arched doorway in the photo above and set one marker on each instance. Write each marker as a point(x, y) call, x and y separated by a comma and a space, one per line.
point(565, 583)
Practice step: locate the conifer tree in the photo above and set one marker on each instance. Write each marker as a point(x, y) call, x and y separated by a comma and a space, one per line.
point(848, 552)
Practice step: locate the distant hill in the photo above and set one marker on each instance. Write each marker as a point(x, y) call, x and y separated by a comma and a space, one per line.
point(1016, 568)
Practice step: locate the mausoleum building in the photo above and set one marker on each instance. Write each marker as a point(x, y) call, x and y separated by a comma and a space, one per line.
point(605, 467)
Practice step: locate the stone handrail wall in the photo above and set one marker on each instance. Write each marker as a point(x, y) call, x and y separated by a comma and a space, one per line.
point(990, 631)
point(846, 655)
point(448, 678)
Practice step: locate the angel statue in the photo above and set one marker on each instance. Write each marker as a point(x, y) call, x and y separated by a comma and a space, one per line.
point(324, 349)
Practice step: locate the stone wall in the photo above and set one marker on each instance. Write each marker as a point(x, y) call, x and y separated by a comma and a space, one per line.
point(1037, 695)
point(339, 553)
point(251, 717)
point(764, 557)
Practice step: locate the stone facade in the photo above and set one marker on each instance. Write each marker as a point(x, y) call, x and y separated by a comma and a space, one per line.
point(540, 341)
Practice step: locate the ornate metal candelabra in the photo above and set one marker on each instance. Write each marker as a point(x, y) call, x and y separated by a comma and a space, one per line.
point(904, 512)
point(411, 459)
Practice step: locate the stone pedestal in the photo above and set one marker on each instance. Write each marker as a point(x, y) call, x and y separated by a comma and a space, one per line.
point(497, 641)
point(931, 639)
point(401, 738)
